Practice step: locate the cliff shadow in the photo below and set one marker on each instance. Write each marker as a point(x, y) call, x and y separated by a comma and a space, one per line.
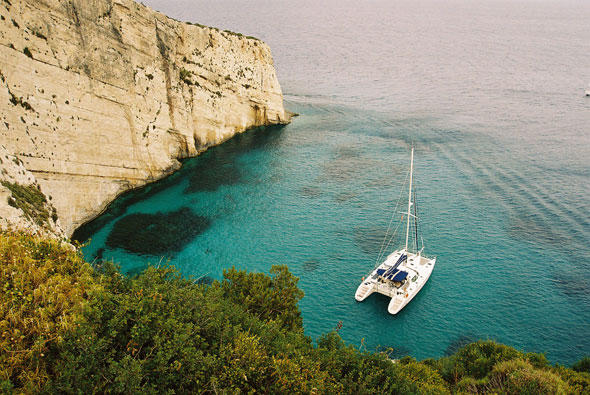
point(219, 166)
point(208, 171)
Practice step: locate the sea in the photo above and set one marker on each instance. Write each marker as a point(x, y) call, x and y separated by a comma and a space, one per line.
point(491, 95)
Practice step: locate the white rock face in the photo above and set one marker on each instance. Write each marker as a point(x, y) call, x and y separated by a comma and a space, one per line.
point(17, 185)
point(101, 96)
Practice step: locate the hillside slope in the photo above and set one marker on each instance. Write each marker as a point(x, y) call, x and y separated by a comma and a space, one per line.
point(67, 326)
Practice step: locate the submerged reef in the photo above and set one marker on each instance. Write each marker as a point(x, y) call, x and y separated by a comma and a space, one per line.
point(311, 265)
point(157, 234)
point(310, 191)
point(370, 239)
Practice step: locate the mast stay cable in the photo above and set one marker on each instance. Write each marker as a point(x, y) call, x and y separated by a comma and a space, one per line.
point(385, 246)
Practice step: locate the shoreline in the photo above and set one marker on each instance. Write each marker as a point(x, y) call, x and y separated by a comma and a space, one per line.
point(81, 233)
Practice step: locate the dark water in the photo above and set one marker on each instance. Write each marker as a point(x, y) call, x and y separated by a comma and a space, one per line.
point(491, 95)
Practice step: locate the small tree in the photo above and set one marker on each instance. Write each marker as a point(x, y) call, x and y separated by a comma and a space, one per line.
point(269, 298)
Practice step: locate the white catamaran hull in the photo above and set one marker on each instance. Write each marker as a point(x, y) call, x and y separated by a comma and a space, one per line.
point(418, 269)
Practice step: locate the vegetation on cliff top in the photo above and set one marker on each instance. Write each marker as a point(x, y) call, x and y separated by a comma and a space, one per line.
point(31, 201)
point(222, 31)
point(68, 327)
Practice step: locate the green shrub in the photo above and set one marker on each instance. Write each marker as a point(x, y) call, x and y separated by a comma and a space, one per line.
point(269, 298)
point(44, 286)
point(84, 330)
point(185, 76)
point(579, 382)
point(474, 360)
point(159, 331)
point(583, 365)
point(537, 360)
point(469, 385)
point(520, 377)
point(139, 335)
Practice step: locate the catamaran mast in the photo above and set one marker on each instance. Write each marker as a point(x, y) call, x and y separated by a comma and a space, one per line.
point(410, 199)
point(416, 219)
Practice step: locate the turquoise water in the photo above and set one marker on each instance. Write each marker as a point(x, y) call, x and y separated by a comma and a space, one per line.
point(491, 96)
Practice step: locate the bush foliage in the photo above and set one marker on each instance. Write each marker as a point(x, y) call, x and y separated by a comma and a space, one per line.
point(44, 286)
point(67, 327)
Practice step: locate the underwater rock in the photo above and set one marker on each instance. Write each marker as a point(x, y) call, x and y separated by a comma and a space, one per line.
point(311, 264)
point(99, 254)
point(157, 234)
point(310, 191)
point(348, 164)
point(342, 169)
point(120, 205)
point(370, 240)
point(529, 226)
point(574, 285)
point(220, 166)
point(345, 196)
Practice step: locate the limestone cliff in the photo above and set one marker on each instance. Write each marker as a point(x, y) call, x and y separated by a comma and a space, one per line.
point(23, 205)
point(100, 96)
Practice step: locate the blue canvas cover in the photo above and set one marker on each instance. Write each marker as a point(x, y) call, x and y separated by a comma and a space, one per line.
point(401, 259)
point(400, 276)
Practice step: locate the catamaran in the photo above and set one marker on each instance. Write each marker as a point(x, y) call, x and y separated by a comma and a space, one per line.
point(405, 271)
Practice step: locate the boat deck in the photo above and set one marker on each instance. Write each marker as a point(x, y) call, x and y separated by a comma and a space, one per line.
point(418, 269)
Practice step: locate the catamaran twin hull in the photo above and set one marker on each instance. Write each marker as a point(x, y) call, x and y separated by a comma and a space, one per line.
point(401, 276)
